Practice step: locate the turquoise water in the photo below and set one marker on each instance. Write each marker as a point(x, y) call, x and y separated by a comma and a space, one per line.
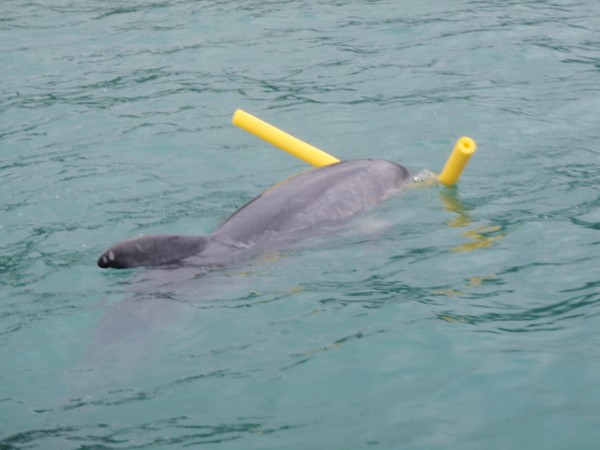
point(463, 318)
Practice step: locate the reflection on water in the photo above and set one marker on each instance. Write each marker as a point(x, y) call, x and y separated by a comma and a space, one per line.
point(470, 284)
point(479, 237)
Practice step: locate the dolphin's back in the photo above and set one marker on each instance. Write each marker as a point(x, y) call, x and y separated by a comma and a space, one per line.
point(318, 197)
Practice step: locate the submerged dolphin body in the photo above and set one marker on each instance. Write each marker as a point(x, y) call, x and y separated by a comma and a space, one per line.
point(288, 212)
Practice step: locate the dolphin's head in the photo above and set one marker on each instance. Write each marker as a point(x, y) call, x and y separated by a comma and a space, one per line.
point(154, 250)
point(132, 253)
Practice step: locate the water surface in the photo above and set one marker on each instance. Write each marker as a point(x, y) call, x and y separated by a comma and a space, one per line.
point(463, 318)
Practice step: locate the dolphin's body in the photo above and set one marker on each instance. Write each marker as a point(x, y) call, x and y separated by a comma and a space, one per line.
point(288, 212)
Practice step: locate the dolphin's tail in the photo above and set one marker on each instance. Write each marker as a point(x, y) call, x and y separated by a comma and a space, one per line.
point(154, 250)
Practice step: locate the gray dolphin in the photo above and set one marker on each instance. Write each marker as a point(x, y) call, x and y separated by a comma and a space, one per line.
point(284, 214)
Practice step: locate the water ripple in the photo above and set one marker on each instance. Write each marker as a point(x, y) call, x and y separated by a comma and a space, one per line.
point(115, 122)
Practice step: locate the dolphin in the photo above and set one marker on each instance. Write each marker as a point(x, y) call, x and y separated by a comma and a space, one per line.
point(298, 207)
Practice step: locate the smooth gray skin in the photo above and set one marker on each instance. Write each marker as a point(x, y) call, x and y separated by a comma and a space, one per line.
point(288, 212)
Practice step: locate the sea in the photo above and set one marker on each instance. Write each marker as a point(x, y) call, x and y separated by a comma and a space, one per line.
point(465, 317)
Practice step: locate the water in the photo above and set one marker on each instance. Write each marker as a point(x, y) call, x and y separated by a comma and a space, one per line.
point(442, 319)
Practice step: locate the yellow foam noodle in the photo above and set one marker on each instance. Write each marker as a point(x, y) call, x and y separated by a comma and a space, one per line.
point(281, 139)
point(457, 161)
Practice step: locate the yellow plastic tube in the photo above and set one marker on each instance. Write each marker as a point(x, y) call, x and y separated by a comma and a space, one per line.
point(282, 140)
point(457, 161)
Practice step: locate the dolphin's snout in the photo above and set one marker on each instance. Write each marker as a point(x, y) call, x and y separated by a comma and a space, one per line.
point(105, 261)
